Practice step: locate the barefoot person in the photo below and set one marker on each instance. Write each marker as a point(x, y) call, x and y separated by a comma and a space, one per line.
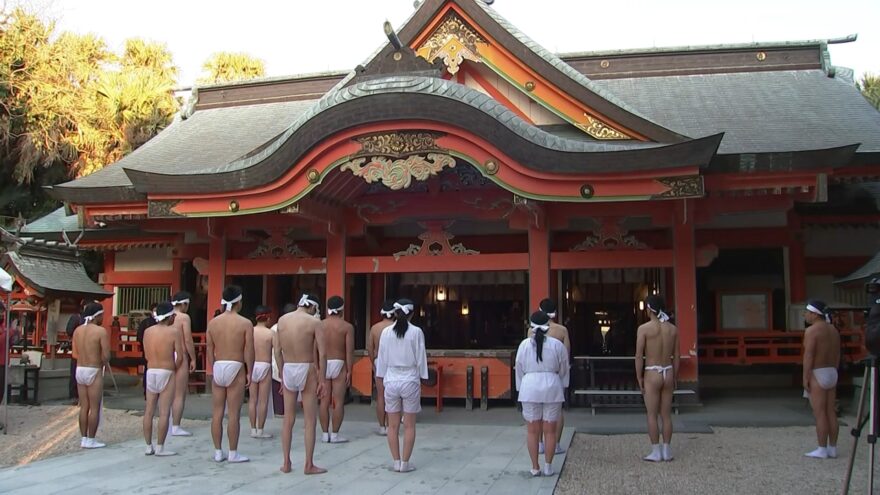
point(401, 364)
point(387, 313)
point(230, 351)
point(541, 377)
point(261, 381)
point(183, 324)
point(560, 333)
point(298, 342)
point(163, 349)
point(91, 349)
point(821, 358)
point(657, 360)
point(339, 345)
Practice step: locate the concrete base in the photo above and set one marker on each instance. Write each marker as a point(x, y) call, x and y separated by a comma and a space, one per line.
point(449, 458)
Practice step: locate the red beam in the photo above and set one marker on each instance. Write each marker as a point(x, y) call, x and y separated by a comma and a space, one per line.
point(139, 278)
point(275, 267)
point(580, 260)
point(449, 263)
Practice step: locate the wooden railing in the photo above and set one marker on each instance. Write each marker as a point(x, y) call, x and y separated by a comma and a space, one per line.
point(752, 347)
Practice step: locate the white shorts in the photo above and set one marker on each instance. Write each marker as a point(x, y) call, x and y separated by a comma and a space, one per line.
point(157, 379)
point(541, 411)
point(225, 372)
point(261, 370)
point(334, 368)
point(295, 376)
point(86, 375)
point(408, 393)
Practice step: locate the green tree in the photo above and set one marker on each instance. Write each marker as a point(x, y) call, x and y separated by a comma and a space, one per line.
point(69, 106)
point(226, 67)
point(870, 88)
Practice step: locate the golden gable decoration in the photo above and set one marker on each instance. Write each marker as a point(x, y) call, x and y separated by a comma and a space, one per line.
point(398, 174)
point(453, 41)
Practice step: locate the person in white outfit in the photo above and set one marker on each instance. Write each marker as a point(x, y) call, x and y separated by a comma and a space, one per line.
point(402, 364)
point(541, 377)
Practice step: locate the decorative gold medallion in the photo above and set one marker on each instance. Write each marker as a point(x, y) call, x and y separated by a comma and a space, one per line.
point(600, 130)
point(453, 41)
point(313, 176)
point(233, 206)
point(491, 167)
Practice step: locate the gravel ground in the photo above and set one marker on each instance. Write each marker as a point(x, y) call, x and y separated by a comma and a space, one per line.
point(38, 432)
point(732, 460)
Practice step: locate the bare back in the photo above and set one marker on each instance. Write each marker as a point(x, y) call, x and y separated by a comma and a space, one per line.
point(160, 344)
point(375, 334)
point(825, 344)
point(336, 332)
point(183, 324)
point(560, 333)
point(263, 343)
point(659, 342)
point(229, 332)
point(296, 337)
point(91, 345)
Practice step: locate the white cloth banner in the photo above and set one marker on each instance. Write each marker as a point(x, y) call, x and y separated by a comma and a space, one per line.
point(5, 281)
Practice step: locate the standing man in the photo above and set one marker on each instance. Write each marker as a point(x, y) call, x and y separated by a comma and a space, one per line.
point(277, 394)
point(230, 347)
point(339, 344)
point(91, 349)
point(183, 324)
point(657, 364)
point(560, 333)
point(163, 348)
point(299, 342)
point(142, 327)
point(821, 359)
point(73, 323)
point(387, 313)
point(261, 384)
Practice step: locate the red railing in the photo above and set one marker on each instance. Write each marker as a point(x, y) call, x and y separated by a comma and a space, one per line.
point(752, 347)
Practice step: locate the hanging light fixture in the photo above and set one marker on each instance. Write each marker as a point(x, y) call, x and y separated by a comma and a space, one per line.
point(441, 293)
point(641, 305)
point(465, 309)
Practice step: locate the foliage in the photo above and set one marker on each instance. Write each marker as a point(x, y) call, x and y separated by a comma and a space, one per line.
point(870, 88)
point(69, 106)
point(226, 67)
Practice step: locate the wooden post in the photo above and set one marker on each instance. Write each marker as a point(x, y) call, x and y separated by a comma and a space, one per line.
point(539, 266)
point(469, 389)
point(335, 261)
point(216, 271)
point(377, 297)
point(684, 264)
point(796, 264)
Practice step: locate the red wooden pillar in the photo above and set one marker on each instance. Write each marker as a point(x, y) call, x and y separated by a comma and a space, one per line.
point(539, 265)
point(335, 262)
point(797, 270)
point(684, 264)
point(107, 303)
point(177, 274)
point(270, 294)
point(216, 272)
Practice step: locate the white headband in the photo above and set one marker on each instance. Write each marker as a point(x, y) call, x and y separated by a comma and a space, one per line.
point(551, 315)
point(814, 309)
point(336, 311)
point(182, 301)
point(229, 304)
point(88, 319)
point(406, 308)
point(660, 314)
point(536, 327)
point(160, 318)
point(387, 314)
point(306, 301)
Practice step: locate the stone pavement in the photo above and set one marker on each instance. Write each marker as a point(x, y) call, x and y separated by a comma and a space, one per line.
point(450, 458)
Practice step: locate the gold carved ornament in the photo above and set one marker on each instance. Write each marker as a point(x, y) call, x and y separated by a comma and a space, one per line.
point(600, 130)
point(398, 174)
point(398, 144)
point(453, 41)
point(682, 187)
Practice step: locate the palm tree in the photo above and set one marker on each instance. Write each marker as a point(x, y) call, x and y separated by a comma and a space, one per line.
point(225, 67)
point(870, 88)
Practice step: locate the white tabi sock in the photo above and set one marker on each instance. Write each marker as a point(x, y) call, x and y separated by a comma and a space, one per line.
point(540, 447)
point(91, 443)
point(548, 469)
point(325, 437)
point(655, 455)
point(335, 438)
point(83, 442)
point(234, 457)
point(149, 450)
point(161, 452)
point(396, 467)
point(666, 452)
point(218, 455)
point(819, 453)
point(383, 431)
point(406, 467)
point(832, 451)
point(535, 472)
point(177, 431)
point(254, 433)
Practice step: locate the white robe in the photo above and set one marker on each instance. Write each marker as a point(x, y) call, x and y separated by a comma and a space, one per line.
point(545, 380)
point(402, 359)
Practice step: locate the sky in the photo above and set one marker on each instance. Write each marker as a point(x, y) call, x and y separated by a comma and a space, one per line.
point(306, 36)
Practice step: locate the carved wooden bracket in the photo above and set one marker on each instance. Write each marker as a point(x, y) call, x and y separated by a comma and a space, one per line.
point(278, 245)
point(610, 235)
point(435, 242)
